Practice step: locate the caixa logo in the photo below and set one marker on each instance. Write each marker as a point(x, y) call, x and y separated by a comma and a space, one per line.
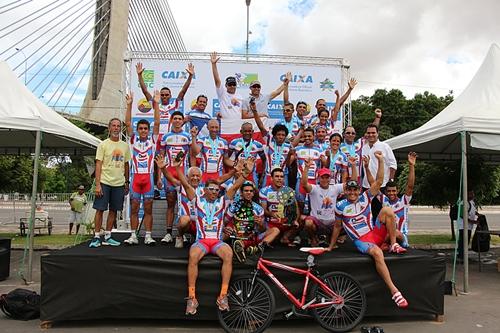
point(176, 75)
point(299, 78)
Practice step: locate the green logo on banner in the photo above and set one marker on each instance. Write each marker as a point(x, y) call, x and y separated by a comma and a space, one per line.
point(327, 85)
point(149, 77)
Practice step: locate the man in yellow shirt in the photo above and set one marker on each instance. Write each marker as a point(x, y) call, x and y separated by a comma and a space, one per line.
point(111, 181)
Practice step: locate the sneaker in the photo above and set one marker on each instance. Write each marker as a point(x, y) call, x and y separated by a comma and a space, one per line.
point(148, 240)
point(223, 303)
point(239, 251)
point(191, 306)
point(132, 240)
point(111, 242)
point(179, 243)
point(167, 239)
point(399, 300)
point(96, 242)
point(297, 240)
point(396, 248)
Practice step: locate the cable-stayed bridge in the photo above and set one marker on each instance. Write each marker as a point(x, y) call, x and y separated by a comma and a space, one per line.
point(71, 53)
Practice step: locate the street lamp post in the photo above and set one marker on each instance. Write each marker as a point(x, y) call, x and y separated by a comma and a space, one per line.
point(248, 24)
point(25, 65)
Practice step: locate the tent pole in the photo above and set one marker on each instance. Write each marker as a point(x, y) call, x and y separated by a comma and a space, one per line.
point(33, 205)
point(465, 214)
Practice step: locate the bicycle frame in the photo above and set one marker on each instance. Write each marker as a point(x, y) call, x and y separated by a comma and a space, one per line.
point(263, 264)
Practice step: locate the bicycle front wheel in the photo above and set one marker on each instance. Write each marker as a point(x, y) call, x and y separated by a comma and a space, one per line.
point(251, 307)
point(345, 316)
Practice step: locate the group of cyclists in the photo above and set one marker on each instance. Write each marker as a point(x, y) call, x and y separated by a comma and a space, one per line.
point(302, 180)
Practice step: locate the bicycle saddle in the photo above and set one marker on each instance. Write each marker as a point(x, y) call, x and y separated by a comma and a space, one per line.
point(315, 251)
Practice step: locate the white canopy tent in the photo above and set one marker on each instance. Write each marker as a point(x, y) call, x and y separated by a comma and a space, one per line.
point(469, 125)
point(29, 126)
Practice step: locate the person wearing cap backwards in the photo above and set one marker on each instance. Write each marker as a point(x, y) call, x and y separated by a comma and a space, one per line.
point(261, 100)
point(355, 214)
point(77, 201)
point(323, 198)
point(229, 100)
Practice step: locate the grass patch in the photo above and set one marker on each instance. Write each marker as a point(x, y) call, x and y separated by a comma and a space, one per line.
point(45, 240)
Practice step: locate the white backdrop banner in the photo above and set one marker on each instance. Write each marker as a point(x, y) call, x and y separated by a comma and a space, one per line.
point(309, 83)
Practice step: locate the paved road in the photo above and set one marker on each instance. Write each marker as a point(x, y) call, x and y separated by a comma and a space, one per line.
point(423, 219)
point(474, 312)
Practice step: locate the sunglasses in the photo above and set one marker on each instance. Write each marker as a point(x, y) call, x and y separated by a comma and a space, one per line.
point(351, 133)
point(255, 86)
point(164, 95)
point(213, 189)
point(231, 84)
point(248, 190)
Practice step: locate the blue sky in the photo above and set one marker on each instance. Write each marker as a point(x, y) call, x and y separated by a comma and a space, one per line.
point(408, 45)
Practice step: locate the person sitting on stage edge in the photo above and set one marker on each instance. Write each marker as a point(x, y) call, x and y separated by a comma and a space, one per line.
point(355, 214)
point(111, 181)
point(143, 147)
point(209, 230)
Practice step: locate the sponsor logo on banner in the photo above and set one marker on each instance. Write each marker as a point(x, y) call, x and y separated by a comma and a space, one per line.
point(215, 106)
point(327, 85)
point(149, 78)
point(299, 78)
point(175, 75)
point(144, 106)
point(275, 109)
point(244, 79)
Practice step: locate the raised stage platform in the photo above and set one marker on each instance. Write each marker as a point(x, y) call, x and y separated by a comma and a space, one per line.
point(150, 282)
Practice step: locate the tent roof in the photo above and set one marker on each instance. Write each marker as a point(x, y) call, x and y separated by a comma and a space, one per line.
point(476, 111)
point(22, 114)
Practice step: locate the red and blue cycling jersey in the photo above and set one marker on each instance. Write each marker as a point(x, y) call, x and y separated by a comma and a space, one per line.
point(401, 206)
point(212, 152)
point(165, 114)
point(142, 169)
point(356, 216)
point(210, 217)
point(276, 155)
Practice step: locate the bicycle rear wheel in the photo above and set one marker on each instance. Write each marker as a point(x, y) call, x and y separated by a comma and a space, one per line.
point(251, 308)
point(347, 315)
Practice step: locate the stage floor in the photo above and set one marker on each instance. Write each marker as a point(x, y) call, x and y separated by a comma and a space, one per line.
point(150, 282)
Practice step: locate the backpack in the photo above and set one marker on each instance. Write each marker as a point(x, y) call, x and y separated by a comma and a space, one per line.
point(484, 239)
point(21, 304)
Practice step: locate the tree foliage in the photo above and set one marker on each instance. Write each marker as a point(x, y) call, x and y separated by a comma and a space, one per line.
point(437, 183)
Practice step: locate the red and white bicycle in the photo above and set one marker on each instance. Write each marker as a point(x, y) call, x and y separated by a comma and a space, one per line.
point(336, 300)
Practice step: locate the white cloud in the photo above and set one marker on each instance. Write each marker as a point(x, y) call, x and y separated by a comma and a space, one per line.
point(389, 44)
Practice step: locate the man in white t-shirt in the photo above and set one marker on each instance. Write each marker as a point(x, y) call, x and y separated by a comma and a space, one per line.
point(322, 198)
point(229, 100)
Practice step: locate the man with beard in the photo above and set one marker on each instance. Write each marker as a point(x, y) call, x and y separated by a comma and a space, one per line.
point(111, 181)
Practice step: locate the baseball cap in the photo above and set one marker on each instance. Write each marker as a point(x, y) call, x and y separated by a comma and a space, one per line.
point(81, 187)
point(230, 79)
point(324, 171)
point(352, 184)
point(254, 82)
